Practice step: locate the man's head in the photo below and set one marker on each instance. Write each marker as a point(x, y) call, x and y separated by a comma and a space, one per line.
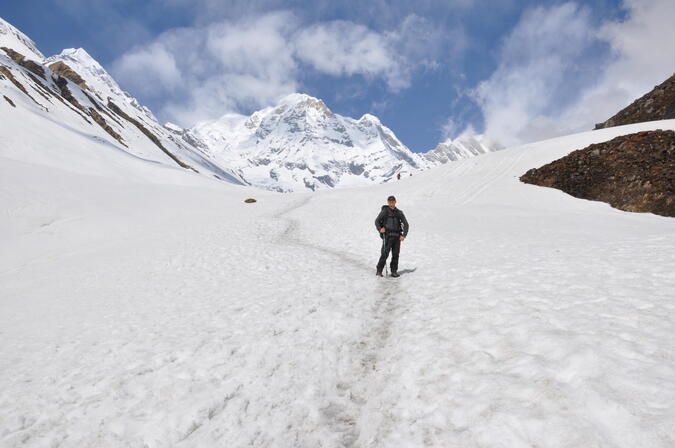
point(391, 202)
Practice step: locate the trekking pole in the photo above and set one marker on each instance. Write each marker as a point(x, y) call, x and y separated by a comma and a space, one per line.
point(386, 268)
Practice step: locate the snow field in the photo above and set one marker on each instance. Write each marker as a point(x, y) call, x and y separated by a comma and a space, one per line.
point(173, 314)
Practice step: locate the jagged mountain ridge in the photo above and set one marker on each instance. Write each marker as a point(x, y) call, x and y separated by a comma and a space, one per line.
point(461, 148)
point(299, 144)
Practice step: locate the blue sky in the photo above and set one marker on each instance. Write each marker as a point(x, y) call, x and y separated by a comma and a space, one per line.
point(517, 70)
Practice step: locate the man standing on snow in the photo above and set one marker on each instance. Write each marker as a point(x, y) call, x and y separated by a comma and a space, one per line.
point(393, 228)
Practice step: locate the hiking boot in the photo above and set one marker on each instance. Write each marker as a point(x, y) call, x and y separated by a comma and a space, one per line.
point(378, 273)
point(395, 274)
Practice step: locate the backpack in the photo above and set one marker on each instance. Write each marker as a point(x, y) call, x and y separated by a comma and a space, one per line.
point(392, 220)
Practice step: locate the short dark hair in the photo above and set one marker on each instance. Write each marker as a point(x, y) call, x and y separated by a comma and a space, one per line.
point(391, 198)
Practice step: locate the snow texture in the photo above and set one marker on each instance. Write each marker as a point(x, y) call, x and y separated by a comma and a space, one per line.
point(144, 305)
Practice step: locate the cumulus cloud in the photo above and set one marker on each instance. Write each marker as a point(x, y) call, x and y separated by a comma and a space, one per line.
point(344, 48)
point(559, 72)
point(536, 62)
point(156, 63)
point(642, 57)
point(234, 66)
point(221, 67)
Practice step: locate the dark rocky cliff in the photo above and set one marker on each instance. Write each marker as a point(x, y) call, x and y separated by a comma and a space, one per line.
point(659, 104)
point(633, 172)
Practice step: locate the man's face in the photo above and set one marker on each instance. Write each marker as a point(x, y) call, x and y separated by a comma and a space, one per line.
point(392, 203)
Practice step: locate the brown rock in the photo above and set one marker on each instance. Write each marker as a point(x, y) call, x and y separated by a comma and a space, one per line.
point(106, 127)
point(659, 104)
point(62, 69)
point(153, 138)
point(250, 200)
point(25, 63)
point(8, 74)
point(633, 172)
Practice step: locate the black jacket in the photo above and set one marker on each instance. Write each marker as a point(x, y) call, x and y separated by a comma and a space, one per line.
point(392, 220)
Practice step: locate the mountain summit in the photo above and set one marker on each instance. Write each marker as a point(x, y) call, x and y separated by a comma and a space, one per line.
point(301, 144)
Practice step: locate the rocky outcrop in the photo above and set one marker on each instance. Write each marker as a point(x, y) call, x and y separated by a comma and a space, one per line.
point(7, 73)
point(659, 104)
point(633, 172)
point(25, 63)
point(62, 69)
point(106, 127)
point(11, 103)
point(153, 138)
point(62, 84)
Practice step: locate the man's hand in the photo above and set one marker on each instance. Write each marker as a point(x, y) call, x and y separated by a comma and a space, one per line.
point(382, 230)
point(402, 238)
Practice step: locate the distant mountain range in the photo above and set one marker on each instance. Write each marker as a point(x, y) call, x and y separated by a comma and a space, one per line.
point(298, 144)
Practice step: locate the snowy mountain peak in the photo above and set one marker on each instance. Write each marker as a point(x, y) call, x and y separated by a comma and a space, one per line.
point(298, 98)
point(369, 119)
point(11, 37)
point(89, 69)
point(81, 56)
point(302, 104)
point(463, 147)
point(301, 144)
point(97, 78)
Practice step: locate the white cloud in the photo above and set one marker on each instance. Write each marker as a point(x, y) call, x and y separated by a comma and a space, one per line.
point(221, 67)
point(449, 129)
point(553, 78)
point(156, 64)
point(536, 61)
point(642, 57)
point(344, 48)
point(203, 72)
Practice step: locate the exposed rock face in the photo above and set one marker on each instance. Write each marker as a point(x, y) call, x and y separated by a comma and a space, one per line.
point(11, 103)
point(116, 109)
point(8, 74)
point(25, 63)
point(101, 122)
point(633, 172)
point(659, 104)
point(62, 69)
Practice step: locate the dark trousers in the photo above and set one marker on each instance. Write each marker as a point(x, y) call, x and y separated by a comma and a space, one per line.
point(391, 243)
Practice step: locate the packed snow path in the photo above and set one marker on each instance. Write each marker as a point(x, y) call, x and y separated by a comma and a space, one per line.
point(173, 314)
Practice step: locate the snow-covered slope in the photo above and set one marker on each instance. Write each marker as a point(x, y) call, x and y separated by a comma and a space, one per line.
point(301, 144)
point(73, 91)
point(11, 37)
point(173, 314)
